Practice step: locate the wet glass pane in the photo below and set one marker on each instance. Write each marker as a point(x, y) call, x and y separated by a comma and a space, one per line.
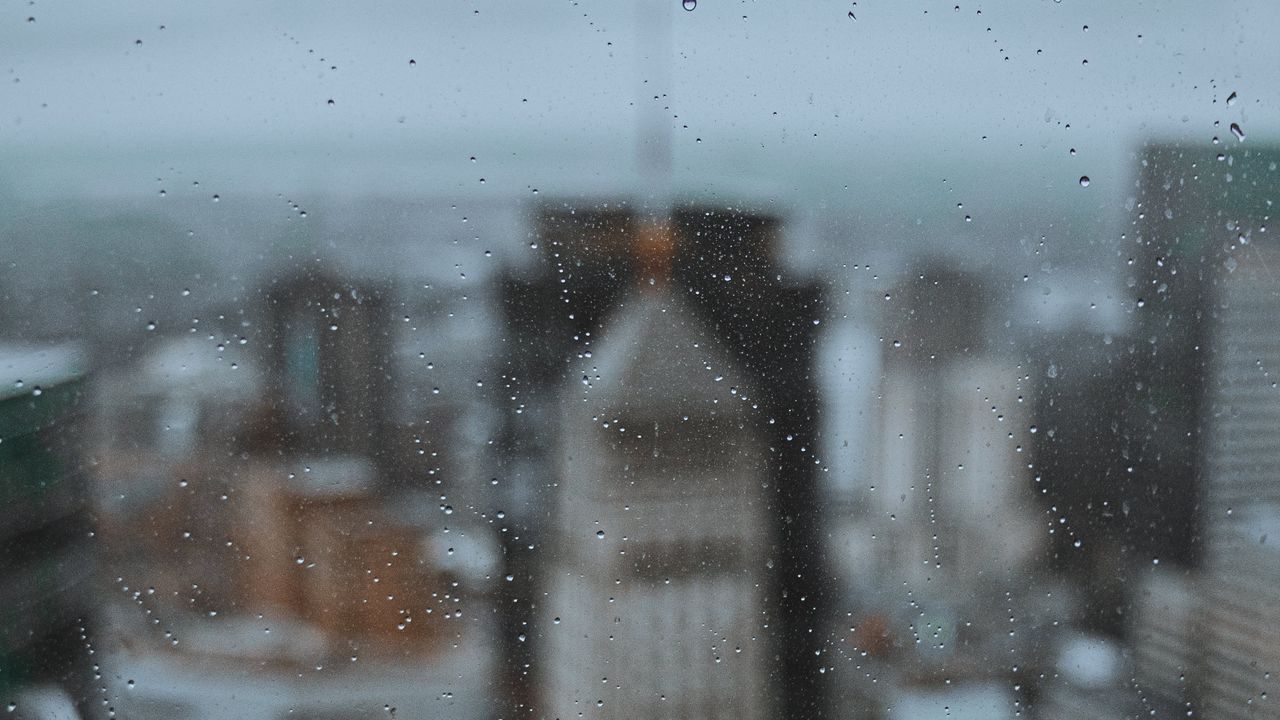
point(647, 359)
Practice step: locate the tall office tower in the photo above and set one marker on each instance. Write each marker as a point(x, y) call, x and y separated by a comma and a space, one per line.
point(952, 501)
point(46, 545)
point(655, 602)
point(945, 530)
point(1241, 561)
point(724, 272)
point(1197, 213)
point(328, 370)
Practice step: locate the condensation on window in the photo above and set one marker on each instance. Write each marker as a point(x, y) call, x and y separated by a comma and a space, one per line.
point(659, 359)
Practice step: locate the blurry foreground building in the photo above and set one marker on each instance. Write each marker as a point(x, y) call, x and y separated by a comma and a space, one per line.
point(663, 541)
point(46, 537)
point(942, 538)
point(1199, 213)
point(727, 286)
point(328, 350)
point(1241, 558)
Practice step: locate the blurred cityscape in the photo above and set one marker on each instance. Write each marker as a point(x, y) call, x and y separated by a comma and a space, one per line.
point(643, 467)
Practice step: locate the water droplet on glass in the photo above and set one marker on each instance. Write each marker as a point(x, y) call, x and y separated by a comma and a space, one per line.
point(1235, 130)
point(689, 4)
point(1084, 181)
point(1231, 99)
point(600, 534)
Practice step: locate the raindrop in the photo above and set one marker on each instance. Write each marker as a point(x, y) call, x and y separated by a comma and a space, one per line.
point(1231, 99)
point(600, 534)
point(689, 5)
point(1084, 181)
point(1235, 130)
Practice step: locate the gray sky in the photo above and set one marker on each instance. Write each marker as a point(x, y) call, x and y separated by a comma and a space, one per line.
point(790, 100)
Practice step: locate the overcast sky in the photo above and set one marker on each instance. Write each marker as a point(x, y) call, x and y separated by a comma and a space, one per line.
point(794, 99)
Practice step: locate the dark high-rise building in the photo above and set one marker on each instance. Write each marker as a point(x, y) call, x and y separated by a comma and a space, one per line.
point(722, 266)
point(1197, 213)
point(46, 545)
point(328, 373)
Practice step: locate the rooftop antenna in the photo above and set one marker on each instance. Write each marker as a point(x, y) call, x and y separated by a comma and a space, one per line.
point(653, 111)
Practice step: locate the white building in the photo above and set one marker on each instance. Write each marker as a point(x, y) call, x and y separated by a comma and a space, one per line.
point(655, 604)
point(1240, 613)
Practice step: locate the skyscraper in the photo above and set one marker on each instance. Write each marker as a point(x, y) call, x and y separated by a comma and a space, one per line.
point(46, 539)
point(328, 363)
point(662, 537)
point(724, 271)
point(1241, 563)
point(1196, 215)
